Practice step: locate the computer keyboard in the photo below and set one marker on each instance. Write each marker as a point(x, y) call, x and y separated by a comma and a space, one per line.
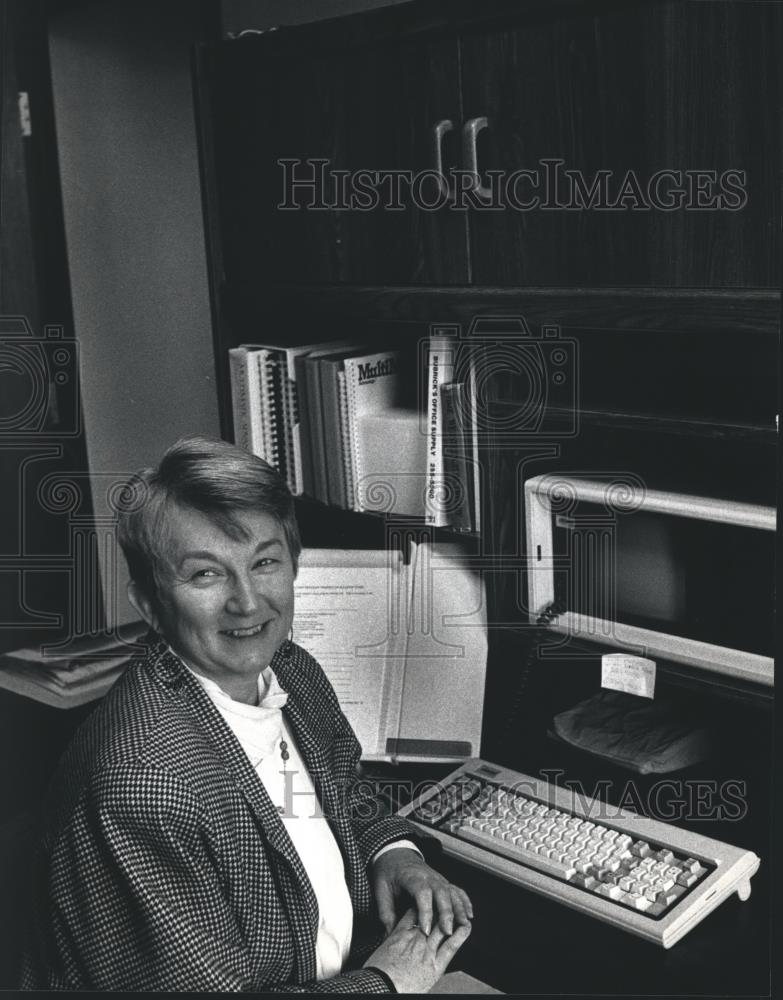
point(647, 877)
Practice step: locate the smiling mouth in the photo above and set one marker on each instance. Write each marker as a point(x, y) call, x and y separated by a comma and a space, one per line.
point(244, 633)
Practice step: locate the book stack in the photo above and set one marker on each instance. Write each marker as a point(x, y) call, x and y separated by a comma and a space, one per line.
point(74, 676)
point(336, 421)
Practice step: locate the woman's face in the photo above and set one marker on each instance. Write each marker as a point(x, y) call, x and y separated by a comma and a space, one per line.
point(225, 604)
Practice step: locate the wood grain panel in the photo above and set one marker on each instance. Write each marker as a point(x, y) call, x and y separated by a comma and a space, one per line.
point(681, 86)
point(396, 94)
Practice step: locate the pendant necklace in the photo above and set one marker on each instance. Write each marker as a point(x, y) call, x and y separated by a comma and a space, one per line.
point(284, 755)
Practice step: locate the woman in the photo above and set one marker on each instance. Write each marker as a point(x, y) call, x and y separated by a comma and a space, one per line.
point(206, 830)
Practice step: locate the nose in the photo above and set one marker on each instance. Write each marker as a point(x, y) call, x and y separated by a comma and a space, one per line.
point(245, 598)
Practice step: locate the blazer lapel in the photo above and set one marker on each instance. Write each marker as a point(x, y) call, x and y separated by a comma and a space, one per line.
point(298, 893)
point(297, 711)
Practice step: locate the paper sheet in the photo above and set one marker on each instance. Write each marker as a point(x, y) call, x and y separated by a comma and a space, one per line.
point(345, 605)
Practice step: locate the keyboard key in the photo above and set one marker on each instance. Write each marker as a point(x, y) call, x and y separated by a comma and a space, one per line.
point(531, 858)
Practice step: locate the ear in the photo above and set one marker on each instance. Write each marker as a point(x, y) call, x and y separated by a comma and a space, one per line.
point(142, 603)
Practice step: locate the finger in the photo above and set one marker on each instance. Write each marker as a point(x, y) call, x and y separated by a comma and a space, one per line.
point(436, 938)
point(423, 900)
point(451, 945)
point(385, 902)
point(463, 911)
point(445, 910)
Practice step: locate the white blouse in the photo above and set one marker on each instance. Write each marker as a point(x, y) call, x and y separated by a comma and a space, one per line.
point(260, 730)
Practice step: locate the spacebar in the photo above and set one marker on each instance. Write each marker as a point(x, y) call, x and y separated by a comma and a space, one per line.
point(517, 853)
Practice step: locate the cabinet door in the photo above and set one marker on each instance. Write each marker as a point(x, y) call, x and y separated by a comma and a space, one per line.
point(273, 114)
point(614, 100)
point(397, 93)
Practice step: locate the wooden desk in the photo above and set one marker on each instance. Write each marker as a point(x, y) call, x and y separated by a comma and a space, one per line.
point(525, 944)
point(529, 945)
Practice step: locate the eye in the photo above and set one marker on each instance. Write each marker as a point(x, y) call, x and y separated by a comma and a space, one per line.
point(204, 574)
point(264, 563)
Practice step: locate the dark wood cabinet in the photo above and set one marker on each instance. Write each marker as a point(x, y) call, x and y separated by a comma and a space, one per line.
point(274, 119)
point(625, 145)
point(651, 135)
point(404, 116)
point(323, 161)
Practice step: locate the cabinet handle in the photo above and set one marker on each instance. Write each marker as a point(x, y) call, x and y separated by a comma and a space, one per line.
point(470, 131)
point(439, 129)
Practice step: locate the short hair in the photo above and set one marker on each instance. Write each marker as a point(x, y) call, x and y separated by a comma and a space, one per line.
point(206, 475)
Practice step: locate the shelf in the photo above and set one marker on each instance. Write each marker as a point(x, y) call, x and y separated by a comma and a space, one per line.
point(654, 424)
point(323, 525)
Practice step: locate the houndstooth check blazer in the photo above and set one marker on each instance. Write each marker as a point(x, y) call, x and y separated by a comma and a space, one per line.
point(164, 864)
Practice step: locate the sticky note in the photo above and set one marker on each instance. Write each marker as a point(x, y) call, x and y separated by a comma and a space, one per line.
point(632, 674)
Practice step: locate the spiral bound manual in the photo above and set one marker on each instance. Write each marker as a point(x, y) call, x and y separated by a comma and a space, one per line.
point(372, 384)
point(268, 372)
point(246, 398)
point(345, 442)
point(240, 411)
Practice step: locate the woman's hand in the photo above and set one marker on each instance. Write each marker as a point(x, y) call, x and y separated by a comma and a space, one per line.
point(413, 960)
point(403, 875)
